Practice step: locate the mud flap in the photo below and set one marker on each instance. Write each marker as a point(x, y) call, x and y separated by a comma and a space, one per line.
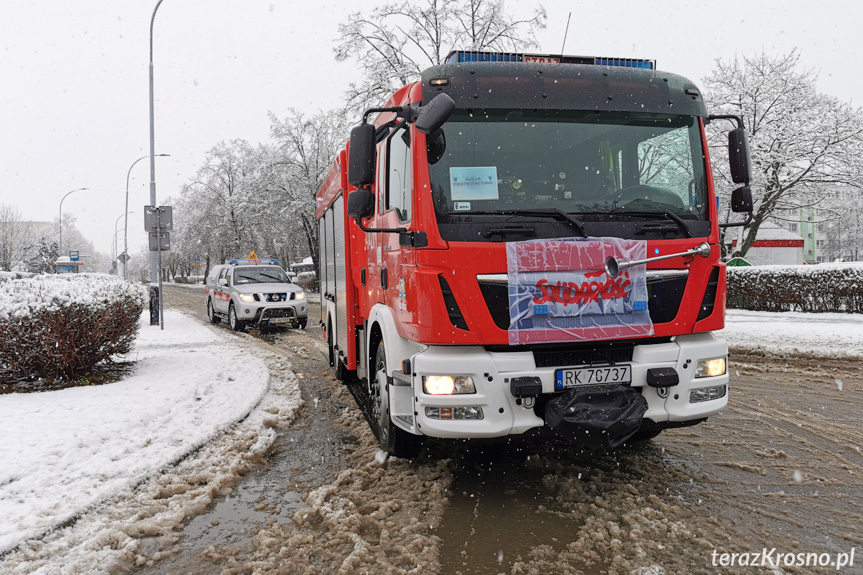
point(601, 416)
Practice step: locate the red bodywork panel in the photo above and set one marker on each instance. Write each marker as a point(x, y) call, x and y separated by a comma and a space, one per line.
point(413, 289)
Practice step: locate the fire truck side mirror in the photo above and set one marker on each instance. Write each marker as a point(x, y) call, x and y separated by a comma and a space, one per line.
point(361, 203)
point(433, 115)
point(741, 200)
point(738, 156)
point(361, 158)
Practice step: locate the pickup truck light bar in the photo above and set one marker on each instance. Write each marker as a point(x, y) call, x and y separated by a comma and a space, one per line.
point(269, 261)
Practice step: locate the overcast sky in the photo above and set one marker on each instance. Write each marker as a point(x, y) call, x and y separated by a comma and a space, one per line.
point(74, 79)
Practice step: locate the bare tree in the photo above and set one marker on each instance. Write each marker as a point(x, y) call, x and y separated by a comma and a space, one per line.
point(304, 152)
point(396, 41)
point(801, 140)
point(16, 238)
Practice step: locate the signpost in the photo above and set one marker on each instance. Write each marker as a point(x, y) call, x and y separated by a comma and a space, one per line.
point(159, 221)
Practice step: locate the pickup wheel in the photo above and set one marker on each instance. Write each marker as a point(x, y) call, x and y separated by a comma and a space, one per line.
point(211, 313)
point(302, 323)
point(395, 441)
point(233, 322)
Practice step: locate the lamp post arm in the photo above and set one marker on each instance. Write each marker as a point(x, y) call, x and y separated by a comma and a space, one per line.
point(60, 219)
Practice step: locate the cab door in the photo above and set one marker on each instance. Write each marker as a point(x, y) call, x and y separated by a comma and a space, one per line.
point(398, 262)
point(222, 297)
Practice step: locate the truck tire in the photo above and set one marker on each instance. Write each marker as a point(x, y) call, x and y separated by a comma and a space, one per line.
point(395, 441)
point(233, 322)
point(211, 313)
point(336, 364)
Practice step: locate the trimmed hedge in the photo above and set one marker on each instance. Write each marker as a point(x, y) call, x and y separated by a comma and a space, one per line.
point(62, 326)
point(818, 288)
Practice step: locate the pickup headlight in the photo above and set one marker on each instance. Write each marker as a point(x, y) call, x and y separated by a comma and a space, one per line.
point(710, 367)
point(448, 384)
point(300, 295)
point(246, 297)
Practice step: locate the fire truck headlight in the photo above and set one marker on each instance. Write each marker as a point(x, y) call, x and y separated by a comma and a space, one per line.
point(300, 295)
point(448, 384)
point(710, 367)
point(246, 297)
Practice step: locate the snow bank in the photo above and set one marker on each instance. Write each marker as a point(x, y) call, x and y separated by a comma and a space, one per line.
point(24, 297)
point(65, 451)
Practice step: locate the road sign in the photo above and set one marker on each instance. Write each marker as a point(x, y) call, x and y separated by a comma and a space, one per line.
point(165, 238)
point(159, 218)
point(74, 256)
point(124, 257)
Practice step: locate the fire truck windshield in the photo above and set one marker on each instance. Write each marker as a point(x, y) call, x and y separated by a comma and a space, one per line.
point(595, 164)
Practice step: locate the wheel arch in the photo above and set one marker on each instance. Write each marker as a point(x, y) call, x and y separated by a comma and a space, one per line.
point(382, 327)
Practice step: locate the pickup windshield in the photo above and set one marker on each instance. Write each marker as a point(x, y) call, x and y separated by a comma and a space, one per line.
point(607, 163)
point(260, 275)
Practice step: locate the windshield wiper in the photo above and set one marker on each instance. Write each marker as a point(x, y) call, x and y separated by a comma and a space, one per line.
point(667, 214)
point(553, 212)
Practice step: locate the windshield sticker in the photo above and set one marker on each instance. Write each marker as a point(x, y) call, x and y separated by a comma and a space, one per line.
point(473, 183)
point(461, 206)
point(559, 291)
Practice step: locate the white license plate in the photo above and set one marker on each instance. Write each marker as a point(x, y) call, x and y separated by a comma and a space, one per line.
point(565, 378)
point(280, 319)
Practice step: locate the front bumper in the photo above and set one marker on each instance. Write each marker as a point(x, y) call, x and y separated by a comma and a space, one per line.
point(273, 314)
point(504, 414)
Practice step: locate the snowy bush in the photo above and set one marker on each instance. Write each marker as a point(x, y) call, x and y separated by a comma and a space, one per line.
point(819, 288)
point(63, 325)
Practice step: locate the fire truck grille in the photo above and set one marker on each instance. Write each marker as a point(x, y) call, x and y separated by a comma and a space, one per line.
point(663, 303)
point(584, 356)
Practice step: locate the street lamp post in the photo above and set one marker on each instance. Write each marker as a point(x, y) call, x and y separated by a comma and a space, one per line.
point(60, 247)
point(126, 221)
point(154, 258)
point(117, 232)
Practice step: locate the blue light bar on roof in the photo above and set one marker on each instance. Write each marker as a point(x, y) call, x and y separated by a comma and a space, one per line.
point(459, 56)
point(235, 261)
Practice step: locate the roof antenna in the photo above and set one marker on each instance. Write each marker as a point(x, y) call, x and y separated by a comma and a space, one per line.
point(565, 32)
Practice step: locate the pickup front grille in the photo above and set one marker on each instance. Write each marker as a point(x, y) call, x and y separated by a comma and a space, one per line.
point(277, 297)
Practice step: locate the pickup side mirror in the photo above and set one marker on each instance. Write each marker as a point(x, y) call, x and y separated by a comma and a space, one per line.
point(361, 203)
point(222, 282)
point(362, 156)
point(434, 114)
point(738, 157)
point(741, 200)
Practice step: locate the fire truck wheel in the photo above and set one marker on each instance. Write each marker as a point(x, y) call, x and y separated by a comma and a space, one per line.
point(336, 365)
point(211, 313)
point(236, 325)
point(392, 439)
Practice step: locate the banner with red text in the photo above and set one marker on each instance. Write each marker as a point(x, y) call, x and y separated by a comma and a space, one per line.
point(559, 291)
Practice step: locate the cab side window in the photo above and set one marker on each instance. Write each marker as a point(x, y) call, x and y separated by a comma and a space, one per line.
point(399, 173)
point(223, 274)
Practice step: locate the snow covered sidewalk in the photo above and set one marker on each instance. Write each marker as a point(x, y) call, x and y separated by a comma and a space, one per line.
point(821, 334)
point(65, 451)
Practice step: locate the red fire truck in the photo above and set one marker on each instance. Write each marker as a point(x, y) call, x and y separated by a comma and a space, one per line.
point(525, 243)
